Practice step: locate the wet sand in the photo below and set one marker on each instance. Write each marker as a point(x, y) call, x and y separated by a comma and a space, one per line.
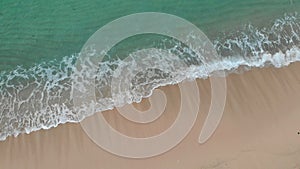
point(259, 129)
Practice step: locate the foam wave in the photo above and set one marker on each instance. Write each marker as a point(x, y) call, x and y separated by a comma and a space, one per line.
point(41, 97)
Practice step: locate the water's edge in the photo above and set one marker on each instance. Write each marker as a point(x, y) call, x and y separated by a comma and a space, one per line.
point(41, 97)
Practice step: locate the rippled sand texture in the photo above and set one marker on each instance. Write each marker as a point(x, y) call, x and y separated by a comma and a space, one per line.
point(259, 130)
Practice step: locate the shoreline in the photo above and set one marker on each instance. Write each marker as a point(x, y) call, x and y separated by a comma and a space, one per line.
point(258, 130)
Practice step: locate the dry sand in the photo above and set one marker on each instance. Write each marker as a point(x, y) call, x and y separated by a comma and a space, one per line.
point(259, 129)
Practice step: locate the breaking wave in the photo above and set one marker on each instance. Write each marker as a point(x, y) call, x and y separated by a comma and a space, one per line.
point(41, 97)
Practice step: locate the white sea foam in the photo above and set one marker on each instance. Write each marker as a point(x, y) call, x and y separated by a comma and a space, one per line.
point(41, 97)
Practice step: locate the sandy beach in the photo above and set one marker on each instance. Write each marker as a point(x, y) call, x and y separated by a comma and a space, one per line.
point(62, 61)
point(259, 129)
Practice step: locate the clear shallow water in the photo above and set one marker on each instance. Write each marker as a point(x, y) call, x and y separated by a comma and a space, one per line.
point(35, 31)
point(40, 40)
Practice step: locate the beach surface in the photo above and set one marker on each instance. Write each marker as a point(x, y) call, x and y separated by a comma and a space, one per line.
point(259, 129)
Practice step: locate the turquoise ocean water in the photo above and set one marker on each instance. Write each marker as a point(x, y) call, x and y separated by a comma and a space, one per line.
point(40, 41)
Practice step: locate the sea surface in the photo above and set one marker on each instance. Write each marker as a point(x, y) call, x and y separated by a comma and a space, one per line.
point(40, 42)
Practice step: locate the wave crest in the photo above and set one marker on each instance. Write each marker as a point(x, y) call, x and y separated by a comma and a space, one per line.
point(41, 97)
